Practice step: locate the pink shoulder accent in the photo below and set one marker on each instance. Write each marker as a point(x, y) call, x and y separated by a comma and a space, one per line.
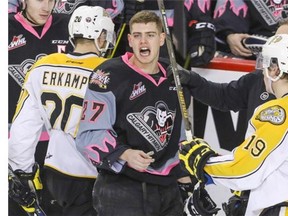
point(188, 4)
point(117, 7)
point(203, 5)
point(236, 6)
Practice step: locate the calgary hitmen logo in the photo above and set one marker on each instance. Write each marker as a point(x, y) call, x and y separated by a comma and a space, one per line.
point(155, 124)
point(18, 71)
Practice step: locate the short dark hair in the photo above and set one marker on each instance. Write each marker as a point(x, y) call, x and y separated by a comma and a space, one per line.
point(146, 16)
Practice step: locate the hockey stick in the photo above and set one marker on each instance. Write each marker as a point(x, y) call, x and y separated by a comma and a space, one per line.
point(38, 210)
point(175, 72)
point(119, 37)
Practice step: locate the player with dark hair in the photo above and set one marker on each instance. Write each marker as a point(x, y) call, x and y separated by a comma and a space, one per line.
point(33, 33)
point(138, 169)
point(52, 96)
point(246, 93)
point(260, 163)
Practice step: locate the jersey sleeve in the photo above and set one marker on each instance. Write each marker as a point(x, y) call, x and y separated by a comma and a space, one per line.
point(223, 96)
point(25, 130)
point(96, 139)
point(258, 156)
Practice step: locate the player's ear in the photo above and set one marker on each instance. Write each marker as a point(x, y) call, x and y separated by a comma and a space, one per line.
point(129, 39)
point(162, 38)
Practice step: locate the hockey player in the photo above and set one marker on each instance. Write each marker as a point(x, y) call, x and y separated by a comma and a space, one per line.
point(33, 33)
point(52, 95)
point(195, 14)
point(236, 20)
point(260, 163)
point(198, 27)
point(246, 93)
point(122, 133)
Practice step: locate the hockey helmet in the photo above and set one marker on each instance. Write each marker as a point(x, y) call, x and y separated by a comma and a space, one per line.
point(91, 22)
point(274, 51)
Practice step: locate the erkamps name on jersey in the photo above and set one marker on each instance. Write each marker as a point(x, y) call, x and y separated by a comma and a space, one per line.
point(64, 79)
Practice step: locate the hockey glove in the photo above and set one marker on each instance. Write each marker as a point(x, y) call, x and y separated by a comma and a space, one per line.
point(254, 43)
point(187, 78)
point(237, 204)
point(200, 203)
point(23, 187)
point(186, 190)
point(194, 155)
point(201, 42)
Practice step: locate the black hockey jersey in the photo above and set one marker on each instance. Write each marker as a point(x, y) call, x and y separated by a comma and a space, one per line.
point(249, 16)
point(125, 108)
point(248, 92)
point(26, 44)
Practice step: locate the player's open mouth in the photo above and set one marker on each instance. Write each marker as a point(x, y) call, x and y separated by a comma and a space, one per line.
point(144, 51)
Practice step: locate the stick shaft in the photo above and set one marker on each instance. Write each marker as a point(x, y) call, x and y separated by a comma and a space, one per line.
point(173, 62)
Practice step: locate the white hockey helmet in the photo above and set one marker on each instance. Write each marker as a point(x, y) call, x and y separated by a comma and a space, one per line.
point(90, 22)
point(274, 51)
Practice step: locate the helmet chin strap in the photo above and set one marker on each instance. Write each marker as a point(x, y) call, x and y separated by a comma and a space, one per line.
point(103, 50)
point(270, 81)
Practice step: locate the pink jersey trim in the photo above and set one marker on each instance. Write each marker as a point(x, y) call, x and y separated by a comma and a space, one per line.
point(19, 17)
point(126, 58)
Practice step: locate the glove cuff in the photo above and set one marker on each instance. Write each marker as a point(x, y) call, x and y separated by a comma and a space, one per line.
point(200, 174)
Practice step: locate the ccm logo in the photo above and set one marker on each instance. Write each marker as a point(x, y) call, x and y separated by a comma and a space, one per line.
point(60, 41)
point(205, 25)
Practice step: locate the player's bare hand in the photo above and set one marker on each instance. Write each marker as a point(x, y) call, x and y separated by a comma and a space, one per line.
point(137, 159)
point(236, 46)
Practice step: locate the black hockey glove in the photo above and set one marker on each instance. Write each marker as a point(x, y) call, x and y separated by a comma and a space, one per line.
point(201, 42)
point(237, 204)
point(131, 7)
point(23, 188)
point(254, 43)
point(200, 203)
point(186, 190)
point(194, 155)
point(187, 78)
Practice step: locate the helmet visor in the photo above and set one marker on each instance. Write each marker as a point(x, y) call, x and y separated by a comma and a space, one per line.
point(264, 61)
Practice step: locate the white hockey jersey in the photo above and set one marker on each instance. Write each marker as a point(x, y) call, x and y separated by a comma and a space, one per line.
point(52, 95)
point(260, 163)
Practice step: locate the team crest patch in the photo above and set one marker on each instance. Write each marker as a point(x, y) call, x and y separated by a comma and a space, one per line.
point(138, 89)
point(155, 124)
point(17, 41)
point(100, 78)
point(275, 115)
